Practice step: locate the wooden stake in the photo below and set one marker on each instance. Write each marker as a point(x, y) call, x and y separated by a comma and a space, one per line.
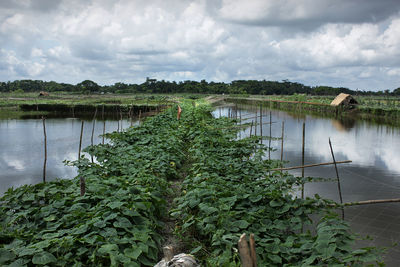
point(83, 186)
point(253, 253)
point(244, 252)
point(302, 159)
point(140, 113)
point(45, 149)
point(311, 165)
point(80, 142)
point(337, 176)
point(251, 128)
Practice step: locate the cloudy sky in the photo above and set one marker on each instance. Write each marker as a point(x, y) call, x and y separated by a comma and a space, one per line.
point(350, 43)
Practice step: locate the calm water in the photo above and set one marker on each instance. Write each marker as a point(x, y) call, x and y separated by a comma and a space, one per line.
point(373, 174)
point(22, 148)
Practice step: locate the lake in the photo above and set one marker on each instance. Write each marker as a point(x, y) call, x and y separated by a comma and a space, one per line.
point(373, 174)
point(22, 148)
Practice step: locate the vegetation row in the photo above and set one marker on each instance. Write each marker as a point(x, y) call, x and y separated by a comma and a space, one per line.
point(227, 189)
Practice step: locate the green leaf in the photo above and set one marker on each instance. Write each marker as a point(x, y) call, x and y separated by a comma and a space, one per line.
point(195, 250)
point(122, 222)
point(133, 252)
point(275, 203)
point(43, 258)
point(50, 218)
point(242, 224)
point(115, 204)
point(6, 255)
point(108, 249)
point(275, 258)
point(27, 251)
point(255, 198)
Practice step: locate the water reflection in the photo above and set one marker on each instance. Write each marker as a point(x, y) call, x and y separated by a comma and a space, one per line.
point(373, 174)
point(22, 148)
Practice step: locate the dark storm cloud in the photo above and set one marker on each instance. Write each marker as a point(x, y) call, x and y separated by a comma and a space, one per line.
point(307, 14)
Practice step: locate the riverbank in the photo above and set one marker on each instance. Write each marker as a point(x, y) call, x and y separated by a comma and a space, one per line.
point(384, 110)
point(65, 104)
point(226, 190)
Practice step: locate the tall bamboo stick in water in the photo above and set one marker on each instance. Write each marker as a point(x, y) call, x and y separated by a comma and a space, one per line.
point(283, 132)
point(261, 133)
point(255, 124)
point(251, 128)
point(45, 150)
point(94, 123)
point(270, 135)
point(302, 159)
point(131, 115)
point(80, 142)
point(337, 176)
point(104, 131)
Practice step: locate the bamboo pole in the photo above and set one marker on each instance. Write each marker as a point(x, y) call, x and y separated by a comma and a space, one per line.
point(270, 135)
point(311, 165)
point(140, 114)
point(337, 176)
point(104, 131)
point(131, 115)
point(367, 202)
point(83, 186)
point(243, 125)
point(255, 125)
point(240, 118)
point(251, 128)
point(120, 112)
point(283, 132)
point(302, 159)
point(94, 123)
point(261, 133)
point(45, 149)
point(80, 142)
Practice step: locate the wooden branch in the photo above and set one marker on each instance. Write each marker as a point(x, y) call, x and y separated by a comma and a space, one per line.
point(311, 165)
point(244, 252)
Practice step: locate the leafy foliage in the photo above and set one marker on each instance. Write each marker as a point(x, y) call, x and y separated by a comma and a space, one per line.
point(117, 221)
point(227, 190)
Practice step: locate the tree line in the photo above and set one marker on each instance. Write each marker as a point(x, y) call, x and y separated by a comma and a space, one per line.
point(240, 87)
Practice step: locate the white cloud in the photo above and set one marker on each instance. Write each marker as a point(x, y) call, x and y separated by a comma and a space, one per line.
point(109, 41)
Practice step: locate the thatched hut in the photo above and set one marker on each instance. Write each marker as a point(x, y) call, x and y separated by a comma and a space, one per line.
point(344, 100)
point(43, 93)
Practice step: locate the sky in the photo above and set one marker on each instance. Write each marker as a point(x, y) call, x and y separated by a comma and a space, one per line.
point(340, 43)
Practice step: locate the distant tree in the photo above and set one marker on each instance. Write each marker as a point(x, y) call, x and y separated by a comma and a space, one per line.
point(88, 86)
point(396, 91)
